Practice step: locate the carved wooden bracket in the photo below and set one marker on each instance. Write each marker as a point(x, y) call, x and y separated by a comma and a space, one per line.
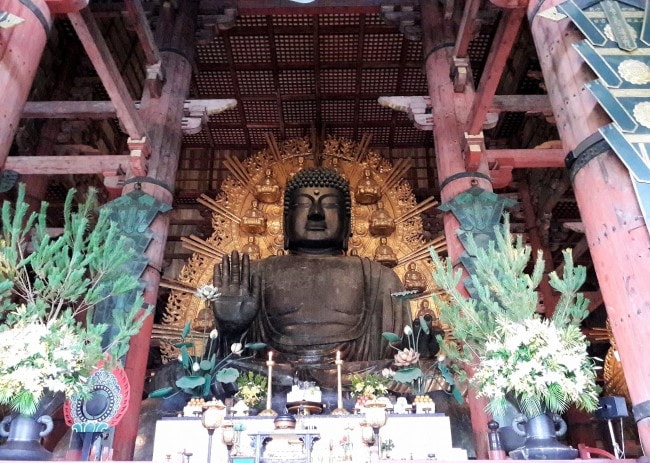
point(155, 79)
point(500, 167)
point(197, 113)
point(140, 152)
point(114, 182)
point(474, 152)
point(501, 175)
point(459, 73)
point(418, 109)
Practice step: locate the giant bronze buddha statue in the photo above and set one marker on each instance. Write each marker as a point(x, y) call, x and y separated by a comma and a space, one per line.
point(313, 301)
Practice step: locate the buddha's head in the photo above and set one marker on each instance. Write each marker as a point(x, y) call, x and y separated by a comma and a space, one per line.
point(317, 211)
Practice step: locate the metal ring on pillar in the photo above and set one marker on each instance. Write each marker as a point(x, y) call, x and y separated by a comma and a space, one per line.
point(641, 411)
point(532, 14)
point(435, 48)
point(460, 175)
point(175, 51)
point(38, 13)
point(138, 180)
point(592, 146)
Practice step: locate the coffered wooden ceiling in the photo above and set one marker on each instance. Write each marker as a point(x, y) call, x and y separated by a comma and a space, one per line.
point(293, 69)
point(292, 73)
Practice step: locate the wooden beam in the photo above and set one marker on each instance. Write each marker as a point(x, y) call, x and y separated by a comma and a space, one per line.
point(22, 48)
point(142, 29)
point(95, 45)
point(466, 28)
point(499, 52)
point(521, 103)
point(69, 110)
point(106, 109)
point(595, 299)
point(419, 107)
point(273, 7)
point(527, 158)
point(58, 165)
point(66, 6)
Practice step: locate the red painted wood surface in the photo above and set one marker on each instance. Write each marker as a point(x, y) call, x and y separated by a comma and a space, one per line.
point(616, 232)
point(21, 48)
point(502, 44)
point(162, 118)
point(450, 114)
point(66, 6)
point(61, 165)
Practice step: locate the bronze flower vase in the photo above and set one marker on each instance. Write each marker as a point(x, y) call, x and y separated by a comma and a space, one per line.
point(541, 433)
point(24, 435)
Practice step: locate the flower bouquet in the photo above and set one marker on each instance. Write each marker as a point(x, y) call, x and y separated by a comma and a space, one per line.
point(251, 388)
point(540, 363)
point(546, 367)
point(49, 290)
point(369, 386)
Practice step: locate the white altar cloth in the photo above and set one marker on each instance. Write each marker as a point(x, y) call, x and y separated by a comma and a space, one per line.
point(417, 437)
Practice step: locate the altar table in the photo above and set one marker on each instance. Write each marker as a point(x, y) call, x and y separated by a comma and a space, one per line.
point(415, 437)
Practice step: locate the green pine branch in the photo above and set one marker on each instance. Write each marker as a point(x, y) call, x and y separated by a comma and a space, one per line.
point(505, 292)
point(70, 273)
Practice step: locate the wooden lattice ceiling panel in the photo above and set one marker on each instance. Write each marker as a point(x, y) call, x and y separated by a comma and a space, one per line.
point(370, 111)
point(296, 112)
point(293, 72)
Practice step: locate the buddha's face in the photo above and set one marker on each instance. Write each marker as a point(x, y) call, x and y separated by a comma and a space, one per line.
point(316, 221)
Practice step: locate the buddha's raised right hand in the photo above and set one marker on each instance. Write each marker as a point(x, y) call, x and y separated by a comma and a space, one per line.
point(239, 298)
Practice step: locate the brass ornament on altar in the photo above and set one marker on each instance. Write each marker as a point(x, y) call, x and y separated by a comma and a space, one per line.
point(243, 220)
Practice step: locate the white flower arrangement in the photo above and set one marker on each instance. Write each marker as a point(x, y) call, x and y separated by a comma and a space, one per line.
point(36, 356)
point(48, 285)
point(369, 386)
point(251, 388)
point(515, 354)
point(543, 366)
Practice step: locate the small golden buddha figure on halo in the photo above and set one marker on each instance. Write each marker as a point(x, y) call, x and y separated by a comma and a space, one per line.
point(368, 190)
point(254, 221)
point(268, 190)
point(337, 167)
point(295, 168)
point(384, 254)
point(252, 249)
point(414, 280)
point(381, 223)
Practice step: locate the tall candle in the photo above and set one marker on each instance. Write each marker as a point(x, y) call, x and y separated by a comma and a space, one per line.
point(269, 363)
point(339, 362)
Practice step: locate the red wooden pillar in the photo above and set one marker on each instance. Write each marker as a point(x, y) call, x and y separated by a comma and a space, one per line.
point(616, 232)
point(162, 118)
point(21, 48)
point(450, 115)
